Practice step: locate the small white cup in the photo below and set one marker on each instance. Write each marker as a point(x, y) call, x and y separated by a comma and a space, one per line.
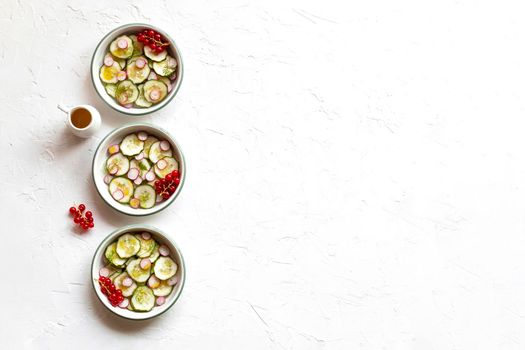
point(91, 128)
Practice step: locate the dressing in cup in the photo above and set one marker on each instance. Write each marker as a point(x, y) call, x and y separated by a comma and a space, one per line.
point(83, 120)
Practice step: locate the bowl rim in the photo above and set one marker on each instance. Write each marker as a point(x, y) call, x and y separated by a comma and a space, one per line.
point(182, 160)
point(157, 231)
point(154, 108)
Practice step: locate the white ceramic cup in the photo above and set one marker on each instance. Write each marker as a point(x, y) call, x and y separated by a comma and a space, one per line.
point(91, 128)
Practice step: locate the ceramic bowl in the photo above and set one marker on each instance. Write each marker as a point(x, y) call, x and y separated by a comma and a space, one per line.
point(101, 156)
point(99, 262)
point(103, 48)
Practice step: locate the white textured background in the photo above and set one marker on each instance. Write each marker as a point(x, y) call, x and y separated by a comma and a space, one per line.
point(356, 175)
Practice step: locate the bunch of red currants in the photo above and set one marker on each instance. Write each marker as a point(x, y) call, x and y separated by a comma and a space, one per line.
point(108, 289)
point(153, 40)
point(84, 220)
point(166, 186)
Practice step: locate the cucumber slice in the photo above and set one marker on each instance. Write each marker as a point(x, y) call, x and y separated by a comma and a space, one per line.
point(157, 57)
point(112, 256)
point(165, 268)
point(124, 185)
point(126, 291)
point(146, 195)
point(119, 161)
point(143, 166)
point(115, 275)
point(109, 74)
point(143, 299)
point(146, 246)
point(156, 153)
point(138, 47)
point(164, 289)
point(136, 272)
point(147, 144)
point(126, 92)
point(131, 145)
point(141, 101)
point(127, 246)
point(154, 254)
point(155, 87)
point(110, 89)
point(172, 165)
point(165, 67)
point(137, 75)
point(117, 51)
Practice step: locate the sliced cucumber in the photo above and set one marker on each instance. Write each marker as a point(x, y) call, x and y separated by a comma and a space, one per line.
point(110, 89)
point(164, 289)
point(138, 47)
point(172, 165)
point(131, 145)
point(155, 88)
point(112, 256)
point(146, 246)
point(115, 275)
point(117, 51)
point(113, 271)
point(141, 101)
point(109, 74)
point(165, 67)
point(124, 185)
point(143, 299)
point(143, 166)
point(147, 144)
point(165, 268)
point(146, 195)
point(126, 92)
point(126, 291)
point(120, 162)
point(157, 57)
point(154, 254)
point(156, 153)
point(136, 272)
point(127, 246)
point(135, 74)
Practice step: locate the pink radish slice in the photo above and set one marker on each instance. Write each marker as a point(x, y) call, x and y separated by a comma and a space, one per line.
point(127, 282)
point(145, 264)
point(161, 300)
point(113, 170)
point(154, 95)
point(162, 164)
point(152, 76)
point(173, 281)
point(118, 195)
point(122, 44)
point(153, 281)
point(107, 179)
point(140, 63)
point(128, 105)
point(159, 198)
point(173, 76)
point(121, 75)
point(104, 272)
point(108, 61)
point(172, 62)
point(146, 235)
point(134, 203)
point(150, 176)
point(124, 303)
point(113, 149)
point(139, 156)
point(165, 145)
point(123, 99)
point(164, 250)
point(142, 136)
point(170, 87)
point(133, 173)
point(138, 180)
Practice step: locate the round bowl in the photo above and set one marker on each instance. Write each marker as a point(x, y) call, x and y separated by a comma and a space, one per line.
point(98, 262)
point(99, 167)
point(98, 59)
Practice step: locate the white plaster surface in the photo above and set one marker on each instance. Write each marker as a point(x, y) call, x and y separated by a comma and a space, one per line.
point(356, 175)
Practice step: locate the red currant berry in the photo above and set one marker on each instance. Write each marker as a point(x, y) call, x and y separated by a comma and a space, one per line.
point(88, 214)
point(91, 225)
point(84, 226)
point(72, 210)
point(118, 292)
point(77, 220)
point(81, 207)
point(159, 49)
point(172, 189)
point(151, 33)
point(112, 288)
point(165, 195)
point(175, 173)
point(157, 36)
point(177, 181)
point(169, 177)
point(140, 38)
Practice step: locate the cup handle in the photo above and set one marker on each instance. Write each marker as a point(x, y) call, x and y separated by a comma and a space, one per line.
point(63, 108)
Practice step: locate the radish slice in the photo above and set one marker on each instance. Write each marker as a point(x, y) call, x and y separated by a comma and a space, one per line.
point(160, 300)
point(133, 173)
point(162, 164)
point(113, 149)
point(122, 75)
point(173, 281)
point(122, 44)
point(159, 198)
point(139, 156)
point(134, 203)
point(164, 250)
point(142, 136)
point(165, 145)
point(146, 235)
point(104, 272)
point(173, 76)
point(170, 87)
point(128, 106)
point(153, 282)
point(124, 303)
point(108, 61)
point(150, 176)
point(145, 263)
point(127, 282)
point(152, 76)
point(154, 95)
point(107, 179)
point(113, 170)
point(118, 195)
point(138, 180)
point(172, 62)
point(140, 63)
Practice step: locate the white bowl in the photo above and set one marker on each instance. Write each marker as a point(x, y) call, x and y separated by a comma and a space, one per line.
point(103, 48)
point(101, 155)
point(98, 262)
